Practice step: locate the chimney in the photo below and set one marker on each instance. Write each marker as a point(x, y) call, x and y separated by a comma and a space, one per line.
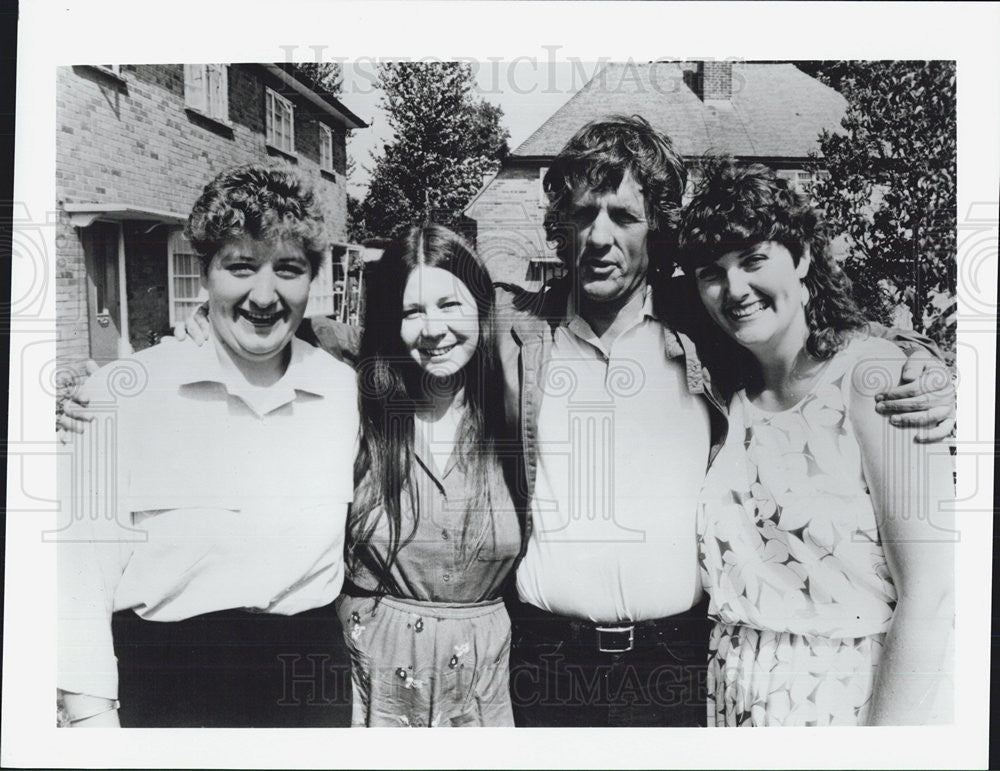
point(714, 82)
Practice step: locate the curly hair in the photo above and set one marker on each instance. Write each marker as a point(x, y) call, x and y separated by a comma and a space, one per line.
point(597, 158)
point(391, 383)
point(735, 207)
point(258, 202)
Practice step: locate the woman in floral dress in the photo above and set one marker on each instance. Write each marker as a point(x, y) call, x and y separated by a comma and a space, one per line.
point(824, 548)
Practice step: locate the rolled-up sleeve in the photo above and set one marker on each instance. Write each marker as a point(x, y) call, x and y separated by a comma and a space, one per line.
point(90, 559)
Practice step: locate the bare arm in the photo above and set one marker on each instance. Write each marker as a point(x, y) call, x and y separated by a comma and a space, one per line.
point(908, 481)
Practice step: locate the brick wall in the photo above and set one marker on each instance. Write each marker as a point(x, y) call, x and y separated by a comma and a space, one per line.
point(716, 80)
point(133, 142)
point(509, 218)
point(71, 294)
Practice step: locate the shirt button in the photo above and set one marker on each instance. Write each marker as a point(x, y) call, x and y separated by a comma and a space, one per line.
point(446, 577)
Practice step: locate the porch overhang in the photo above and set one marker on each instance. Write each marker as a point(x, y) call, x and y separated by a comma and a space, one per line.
point(83, 215)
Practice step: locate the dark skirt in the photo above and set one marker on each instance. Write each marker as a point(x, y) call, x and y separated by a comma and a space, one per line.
point(233, 669)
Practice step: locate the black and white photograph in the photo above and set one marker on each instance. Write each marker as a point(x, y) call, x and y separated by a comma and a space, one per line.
point(363, 381)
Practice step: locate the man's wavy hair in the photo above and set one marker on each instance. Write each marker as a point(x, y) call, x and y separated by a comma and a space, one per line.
point(597, 158)
point(260, 202)
point(735, 207)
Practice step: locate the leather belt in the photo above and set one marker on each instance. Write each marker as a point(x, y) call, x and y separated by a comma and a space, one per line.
point(690, 627)
point(615, 639)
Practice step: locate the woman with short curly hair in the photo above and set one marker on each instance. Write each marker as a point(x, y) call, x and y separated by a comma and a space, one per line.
point(259, 202)
point(197, 578)
point(823, 544)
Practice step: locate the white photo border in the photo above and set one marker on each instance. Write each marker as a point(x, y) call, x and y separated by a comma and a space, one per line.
point(55, 34)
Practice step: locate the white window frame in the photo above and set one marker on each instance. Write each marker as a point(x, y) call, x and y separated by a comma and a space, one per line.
point(544, 268)
point(799, 179)
point(325, 148)
point(206, 90)
point(273, 101)
point(178, 244)
point(543, 200)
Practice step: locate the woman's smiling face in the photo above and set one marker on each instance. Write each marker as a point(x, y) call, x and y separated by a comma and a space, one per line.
point(756, 294)
point(257, 295)
point(440, 326)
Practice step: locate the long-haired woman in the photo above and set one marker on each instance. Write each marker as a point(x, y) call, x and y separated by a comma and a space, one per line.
point(433, 532)
point(825, 550)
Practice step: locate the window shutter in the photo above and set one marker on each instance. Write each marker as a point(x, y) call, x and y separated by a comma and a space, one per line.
point(218, 80)
point(195, 91)
point(325, 148)
point(290, 136)
point(269, 116)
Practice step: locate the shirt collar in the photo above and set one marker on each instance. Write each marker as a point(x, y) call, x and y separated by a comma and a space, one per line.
point(581, 328)
point(425, 457)
point(210, 363)
point(675, 344)
point(646, 311)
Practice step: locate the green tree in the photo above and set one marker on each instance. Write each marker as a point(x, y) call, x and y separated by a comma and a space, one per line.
point(328, 76)
point(356, 230)
point(891, 187)
point(446, 140)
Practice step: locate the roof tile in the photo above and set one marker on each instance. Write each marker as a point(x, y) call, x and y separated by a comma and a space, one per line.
point(776, 110)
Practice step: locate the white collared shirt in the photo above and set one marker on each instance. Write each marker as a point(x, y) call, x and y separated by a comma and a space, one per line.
point(622, 454)
point(193, 492)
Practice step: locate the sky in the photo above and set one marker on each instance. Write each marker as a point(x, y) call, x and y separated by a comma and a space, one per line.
point(529, 89)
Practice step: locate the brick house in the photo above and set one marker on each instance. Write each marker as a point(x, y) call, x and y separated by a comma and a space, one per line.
point(135, 146)
point(765, 112)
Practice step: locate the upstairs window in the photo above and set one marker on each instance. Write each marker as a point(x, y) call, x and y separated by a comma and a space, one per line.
point(325, 148)
point(280, 119)
point(206, 90)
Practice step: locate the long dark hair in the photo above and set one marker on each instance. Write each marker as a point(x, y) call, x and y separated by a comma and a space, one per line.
point(391, 385)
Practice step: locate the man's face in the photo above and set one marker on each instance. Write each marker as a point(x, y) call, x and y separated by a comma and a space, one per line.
point(610, 241)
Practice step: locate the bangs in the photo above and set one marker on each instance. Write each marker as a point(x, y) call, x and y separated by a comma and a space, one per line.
point(707, 241)
point(269, 225)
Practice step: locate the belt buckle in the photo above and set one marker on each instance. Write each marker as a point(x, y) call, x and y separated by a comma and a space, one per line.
point(615, 639)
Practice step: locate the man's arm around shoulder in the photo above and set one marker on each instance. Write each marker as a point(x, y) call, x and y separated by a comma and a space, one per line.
point(339, 339)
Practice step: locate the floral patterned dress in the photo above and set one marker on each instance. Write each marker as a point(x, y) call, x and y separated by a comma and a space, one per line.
point(792, 560)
